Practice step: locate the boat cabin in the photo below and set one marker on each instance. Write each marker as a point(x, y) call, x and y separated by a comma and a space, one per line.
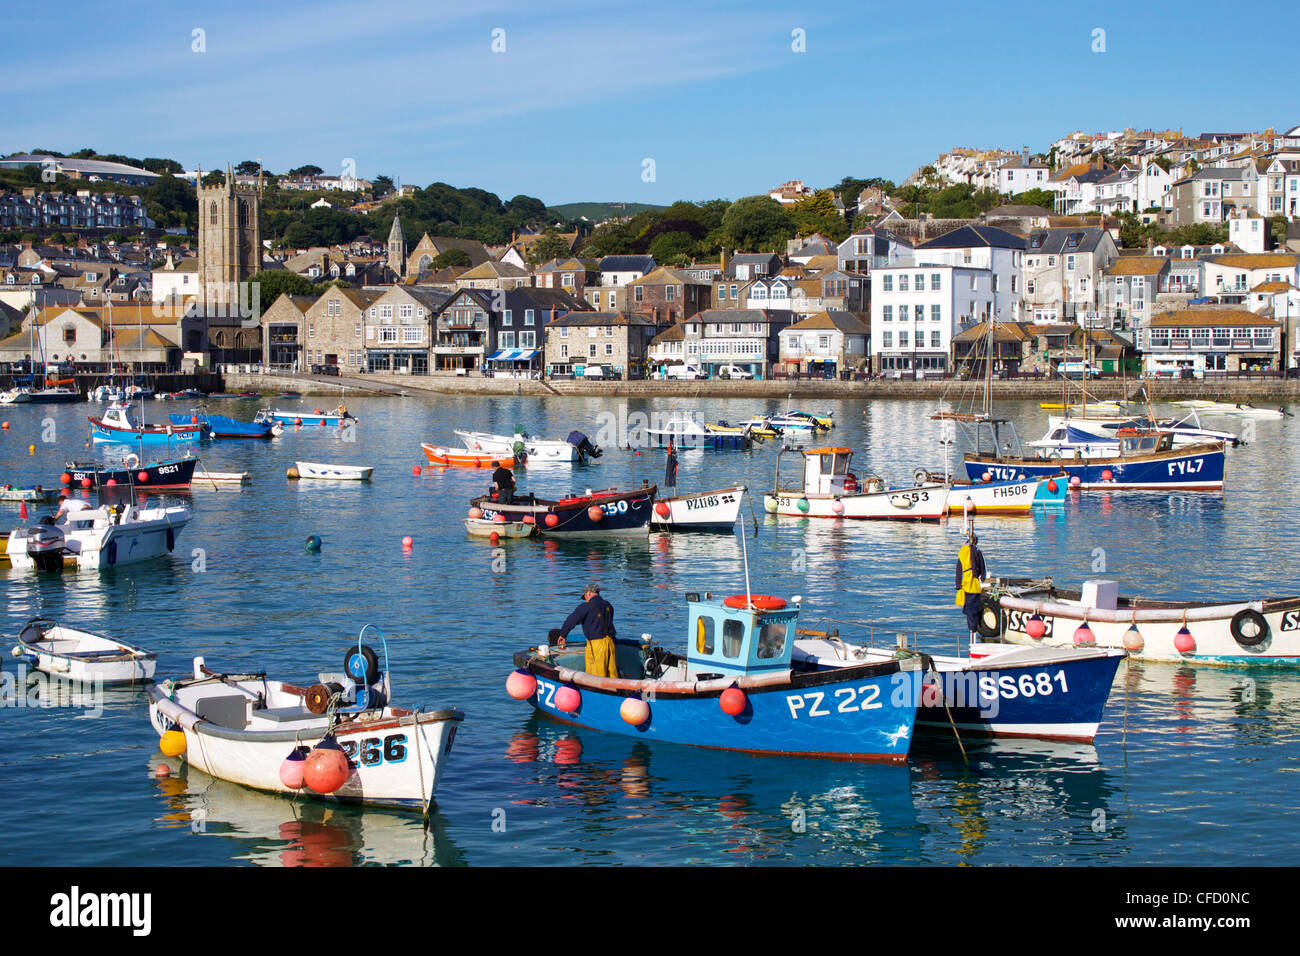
point(726, 637)
point(1133, 441)
point(123, 416)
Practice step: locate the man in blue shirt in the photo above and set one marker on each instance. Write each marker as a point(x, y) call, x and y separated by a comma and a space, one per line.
point(596, 615)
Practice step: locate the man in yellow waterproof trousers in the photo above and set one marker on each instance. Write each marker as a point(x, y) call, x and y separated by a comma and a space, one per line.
point(596, 615)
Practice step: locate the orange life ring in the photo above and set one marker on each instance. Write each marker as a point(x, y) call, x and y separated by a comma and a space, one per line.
point(764, 602)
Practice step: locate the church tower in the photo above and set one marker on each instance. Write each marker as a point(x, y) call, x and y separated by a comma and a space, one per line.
point(397, 247)
point(230, 242)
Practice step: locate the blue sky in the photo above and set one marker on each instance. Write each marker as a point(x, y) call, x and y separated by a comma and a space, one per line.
point(583, 93)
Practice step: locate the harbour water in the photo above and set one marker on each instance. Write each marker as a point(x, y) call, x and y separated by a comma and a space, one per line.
point(1192, 766)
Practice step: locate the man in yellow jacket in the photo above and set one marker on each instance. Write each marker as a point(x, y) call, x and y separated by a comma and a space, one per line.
point(970, 574)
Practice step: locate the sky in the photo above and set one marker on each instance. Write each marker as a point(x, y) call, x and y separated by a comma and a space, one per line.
point(635, 102)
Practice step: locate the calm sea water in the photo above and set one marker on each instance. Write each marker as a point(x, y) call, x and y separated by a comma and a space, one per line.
point(1192, 766)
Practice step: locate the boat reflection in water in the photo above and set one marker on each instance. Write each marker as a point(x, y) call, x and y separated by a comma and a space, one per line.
point(279, 831)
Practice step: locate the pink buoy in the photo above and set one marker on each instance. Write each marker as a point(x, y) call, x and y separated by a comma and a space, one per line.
point(1035, 627)
point(596, 513)
point(521, 685)
point(407, 543)
point(1133, 640)
point(162, 770)
point(634, 711)
point(568, 699)
point(837, 506)
point(476, 512)
point(1076, 481)
point(1184, 643)
point(733, 701)
point(1083, 635)
point(662, 509)
point(416, 471)
point(292, 767)
point(1107, 475)
point(111, 483)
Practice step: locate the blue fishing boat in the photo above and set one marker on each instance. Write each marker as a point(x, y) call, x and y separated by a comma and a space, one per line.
point(120, 424)
point(223, 426)
point(1139, 459)
point(736, 688)
point(608, 513)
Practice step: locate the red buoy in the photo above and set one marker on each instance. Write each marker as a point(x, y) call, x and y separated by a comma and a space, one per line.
point(416, 471)
point(595, 513)
point(85, 482)
point(662, 509)
point(1184, 643)
point(1107, 475)
point(521, 685)
point(552, 520)
point(65, 478)
point(143, 477)
point(733, 701)
point(568, 699)
point(1083, 634)
point(1051, 485)
point(1035, 627)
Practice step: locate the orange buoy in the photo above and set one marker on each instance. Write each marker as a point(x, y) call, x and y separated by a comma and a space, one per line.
point(733, 701)
point(763, 602)
point(634, 711)
point(552, 520)
point(326, 767)
point(595, 513)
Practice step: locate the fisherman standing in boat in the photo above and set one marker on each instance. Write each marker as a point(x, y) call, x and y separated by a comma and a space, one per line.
point(596, 615)
point(670, 467)
point(503, 483)
point(970, 575)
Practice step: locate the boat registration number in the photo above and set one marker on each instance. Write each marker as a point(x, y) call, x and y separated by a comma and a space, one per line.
point(1186, 467)
point(1013, 491)
point(1016, 622)
point(614, 507)
point(372, 751)
point(844, 700)
point(1026, 685)
point(168, 469)
point(1291, 621)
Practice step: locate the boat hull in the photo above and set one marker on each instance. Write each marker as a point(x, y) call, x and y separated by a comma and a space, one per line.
point(502, 445)
point(224, 427)
point(622, 514)
point(484, 528)
point(102, 432)
point(383, 770)
point(176, 473)
point(703, 439)
point(1211, 627)
point(707, 511)
point(466, 458)
point(79, 656)
point(856, 719)
point(1006, 497)
point(1189, 470)
point(316, 470)
point(98, 545)
point(902, 504)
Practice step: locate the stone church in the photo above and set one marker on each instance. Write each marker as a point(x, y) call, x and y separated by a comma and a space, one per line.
point(225, 320)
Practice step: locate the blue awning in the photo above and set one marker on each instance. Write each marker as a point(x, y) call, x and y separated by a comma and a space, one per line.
point(513, 355)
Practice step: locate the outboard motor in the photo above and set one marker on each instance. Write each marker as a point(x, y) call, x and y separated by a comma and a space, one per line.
point(46, 546)
point(585, 448)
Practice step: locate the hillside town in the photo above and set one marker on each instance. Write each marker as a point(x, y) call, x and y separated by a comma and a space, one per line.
point(1131, 252)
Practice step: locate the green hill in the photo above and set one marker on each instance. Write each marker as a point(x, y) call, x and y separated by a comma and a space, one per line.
point(600, 211)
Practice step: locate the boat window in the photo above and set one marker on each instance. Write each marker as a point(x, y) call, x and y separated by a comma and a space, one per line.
point(704, 635)
point(733, 633)
point(834, 464)
point(771, 639)
point(1148, 444)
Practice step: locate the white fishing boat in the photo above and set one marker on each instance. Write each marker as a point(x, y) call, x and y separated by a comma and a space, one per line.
point(81, 656)
point(538, 450)
point(829, 490)
point(685, 433)
point(96, 538)
point(338, 740)
point(1263, 631)
point(703, 511)
point(1018, 495)
point(106, 393)
point(312, 469)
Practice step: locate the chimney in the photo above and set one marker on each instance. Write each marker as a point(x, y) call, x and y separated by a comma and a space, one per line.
point(1024, 156)
point(725, 259)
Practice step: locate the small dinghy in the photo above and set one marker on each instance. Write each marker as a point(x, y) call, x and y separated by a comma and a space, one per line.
point(486, 528)
point(338, 740)
point(466, 457)
point(81, 656)
point(1262, 631)
point(206, 479)
point(311, 469)
point(999, 690)
point(338, 416)
point(714, 511)
point(37, 495)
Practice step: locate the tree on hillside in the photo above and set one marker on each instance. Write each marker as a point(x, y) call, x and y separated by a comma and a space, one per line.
point(381, 186)
point(248, 167)
point(757, 224)
point(673, 248)
point(216, 177)
point(1036, 197)
point(160, 166)
point(817, 214)
point(304, 171)
point(452, 257)
point(274, 283)
point(549, 246)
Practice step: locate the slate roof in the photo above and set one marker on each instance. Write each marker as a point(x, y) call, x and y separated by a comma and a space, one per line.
point(975, 236)
point(1058, 241)
point(627, 264)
